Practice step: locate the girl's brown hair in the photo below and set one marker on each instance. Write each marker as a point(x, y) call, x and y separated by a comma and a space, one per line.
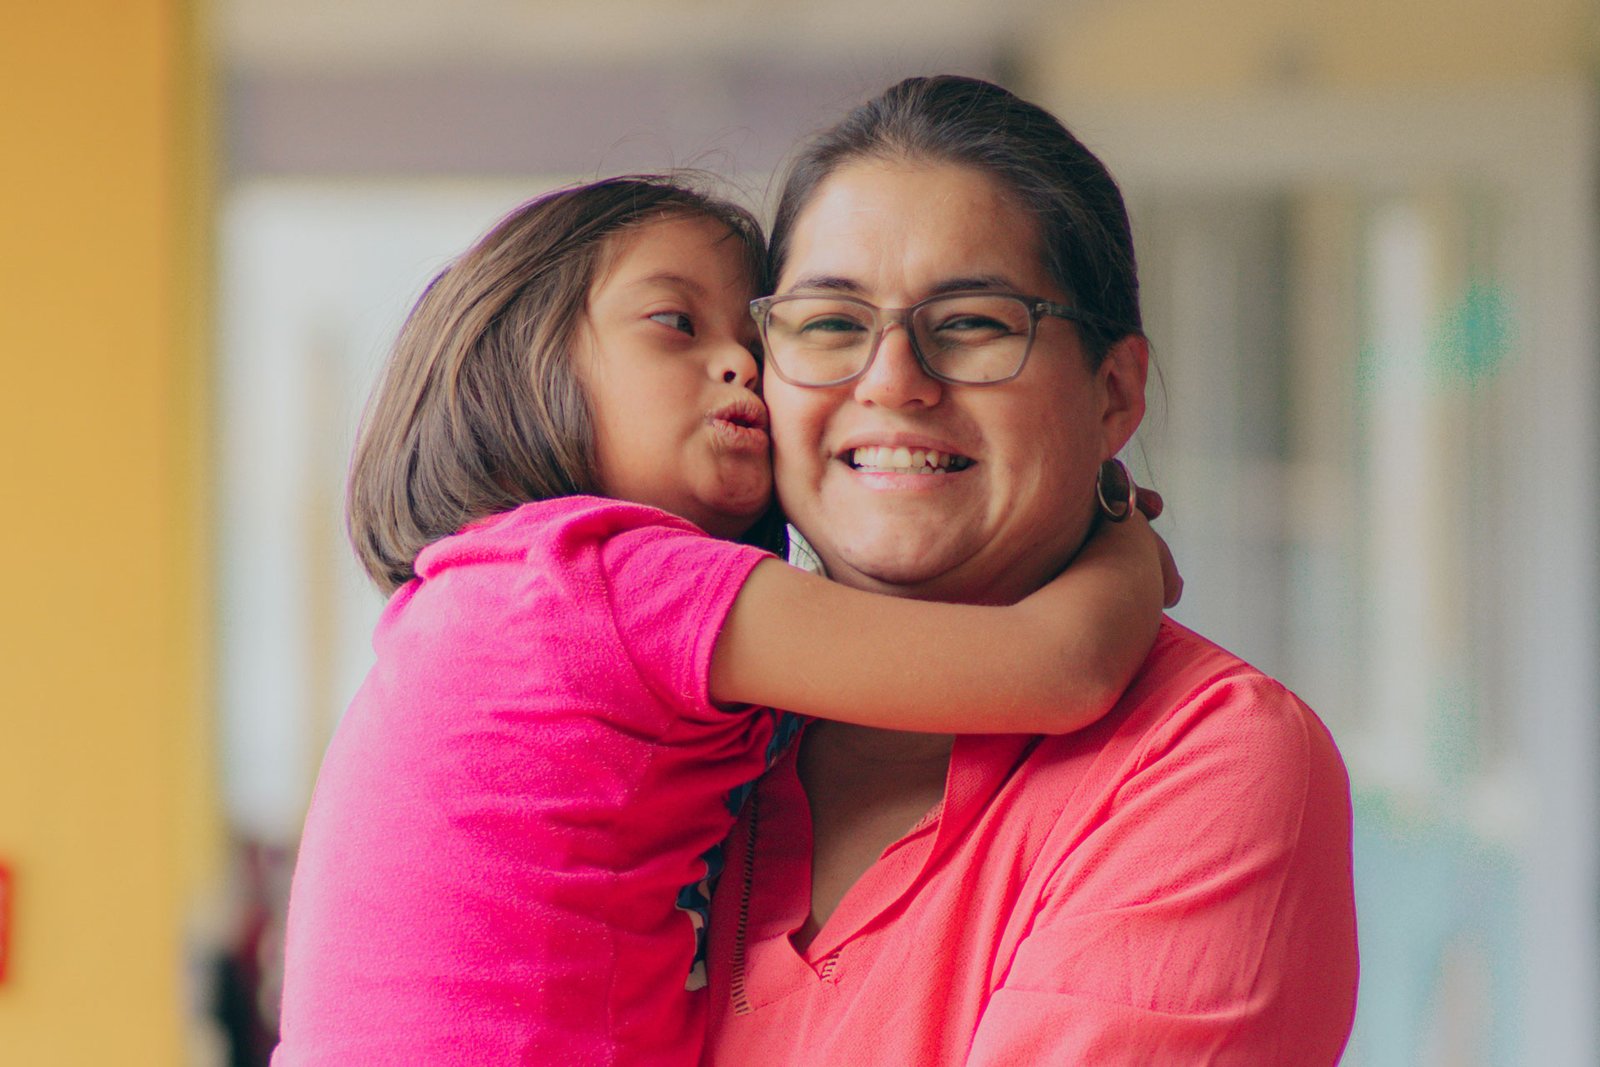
point(479, 410)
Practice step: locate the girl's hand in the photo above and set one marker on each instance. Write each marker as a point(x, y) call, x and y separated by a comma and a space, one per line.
point(1151, 505)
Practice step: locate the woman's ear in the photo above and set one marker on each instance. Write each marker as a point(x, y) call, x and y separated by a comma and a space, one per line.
point(1121, 379)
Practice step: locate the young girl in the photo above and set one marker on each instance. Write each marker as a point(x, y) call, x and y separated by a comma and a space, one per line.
point(518, 820)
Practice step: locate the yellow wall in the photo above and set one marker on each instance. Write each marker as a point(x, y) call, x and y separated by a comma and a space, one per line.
point(1157, 48)
point(106, 813)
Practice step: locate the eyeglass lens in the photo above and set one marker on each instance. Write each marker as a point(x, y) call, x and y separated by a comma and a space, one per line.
point(972, 338)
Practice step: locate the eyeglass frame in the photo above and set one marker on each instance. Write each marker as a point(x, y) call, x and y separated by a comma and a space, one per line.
point(1038, 307)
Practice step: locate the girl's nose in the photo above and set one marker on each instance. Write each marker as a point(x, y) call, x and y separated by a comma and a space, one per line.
point(735, 364)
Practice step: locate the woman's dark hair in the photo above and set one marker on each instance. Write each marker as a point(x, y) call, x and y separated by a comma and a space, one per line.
point(1083, 225)
point(479, 410)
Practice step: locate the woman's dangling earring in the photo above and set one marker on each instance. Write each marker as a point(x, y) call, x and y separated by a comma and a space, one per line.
point(1114, 489)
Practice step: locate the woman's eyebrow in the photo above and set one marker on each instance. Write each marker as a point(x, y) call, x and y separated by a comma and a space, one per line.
point(973, 281)
point(832, 283)
point(828, 283)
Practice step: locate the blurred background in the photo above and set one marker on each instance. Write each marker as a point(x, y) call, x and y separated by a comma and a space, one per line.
point(1368, 242)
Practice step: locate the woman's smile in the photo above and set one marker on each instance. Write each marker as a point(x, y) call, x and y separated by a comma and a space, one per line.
point(901, 459)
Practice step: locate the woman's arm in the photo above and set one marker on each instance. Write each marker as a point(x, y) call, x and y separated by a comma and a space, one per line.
point(1051, 663)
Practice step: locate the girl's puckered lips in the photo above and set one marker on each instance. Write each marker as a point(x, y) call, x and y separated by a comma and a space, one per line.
point(747, 411)
point(741, 424)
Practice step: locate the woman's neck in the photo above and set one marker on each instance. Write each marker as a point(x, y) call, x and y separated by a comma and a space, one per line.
point(870, 748)
point(866, 788)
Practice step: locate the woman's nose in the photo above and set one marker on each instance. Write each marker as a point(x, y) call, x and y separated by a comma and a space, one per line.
point(895, 377)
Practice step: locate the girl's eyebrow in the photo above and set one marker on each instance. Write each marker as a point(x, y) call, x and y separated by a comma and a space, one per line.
point(669, 279)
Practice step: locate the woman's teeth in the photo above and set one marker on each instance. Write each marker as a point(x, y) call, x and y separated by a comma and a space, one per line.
point(880, 459)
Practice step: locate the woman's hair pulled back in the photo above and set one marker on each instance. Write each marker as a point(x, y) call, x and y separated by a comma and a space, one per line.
point(480, 409)
point(1085, 238)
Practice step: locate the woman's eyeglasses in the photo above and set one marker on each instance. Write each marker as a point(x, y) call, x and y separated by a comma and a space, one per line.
point(967, 338)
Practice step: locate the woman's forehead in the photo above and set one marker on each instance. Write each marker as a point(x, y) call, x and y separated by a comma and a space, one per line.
point(878, 225)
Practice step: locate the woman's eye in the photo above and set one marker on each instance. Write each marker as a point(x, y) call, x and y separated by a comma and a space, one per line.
point(968, 323)
point(675, 320)
point(832, 324)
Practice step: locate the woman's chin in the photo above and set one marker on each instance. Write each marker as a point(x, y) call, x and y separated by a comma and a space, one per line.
point(894, 564)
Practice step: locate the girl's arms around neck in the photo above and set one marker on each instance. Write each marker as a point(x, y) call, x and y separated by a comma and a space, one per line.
point(1051, 663)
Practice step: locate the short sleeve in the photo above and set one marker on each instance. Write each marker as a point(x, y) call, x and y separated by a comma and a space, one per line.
point(670, 588)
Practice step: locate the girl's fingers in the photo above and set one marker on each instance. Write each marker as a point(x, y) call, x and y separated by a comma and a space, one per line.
point(1171, 580)
point(1150, 503)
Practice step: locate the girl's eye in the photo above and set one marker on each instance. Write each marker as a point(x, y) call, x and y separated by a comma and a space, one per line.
point(675, 320)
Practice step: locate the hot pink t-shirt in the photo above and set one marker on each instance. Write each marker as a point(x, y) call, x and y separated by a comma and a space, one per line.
point(506, 857)
point(1171, 885)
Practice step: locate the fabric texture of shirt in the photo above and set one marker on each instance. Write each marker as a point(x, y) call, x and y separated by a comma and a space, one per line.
point(513, 831)
point(1171, 885)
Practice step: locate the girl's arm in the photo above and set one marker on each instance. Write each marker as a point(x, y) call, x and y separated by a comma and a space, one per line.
point(1051, 663)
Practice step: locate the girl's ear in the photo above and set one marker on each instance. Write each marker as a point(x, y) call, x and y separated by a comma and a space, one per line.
point(1121, 380)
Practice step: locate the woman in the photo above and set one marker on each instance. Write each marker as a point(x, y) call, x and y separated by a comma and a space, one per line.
point(1171, 885)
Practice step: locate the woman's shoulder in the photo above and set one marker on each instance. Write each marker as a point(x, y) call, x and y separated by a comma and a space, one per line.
point(1181, 655)
point(1185, 669)
point(1202, 744)
point(1194, 701)
point(1201, 727)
